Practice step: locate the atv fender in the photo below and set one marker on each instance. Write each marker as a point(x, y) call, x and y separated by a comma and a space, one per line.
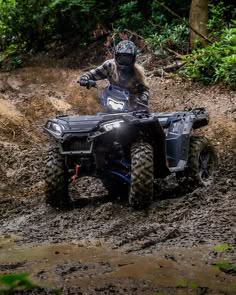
point(161, 169)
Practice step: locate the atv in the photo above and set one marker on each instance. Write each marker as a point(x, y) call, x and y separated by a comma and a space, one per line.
point(126, 149)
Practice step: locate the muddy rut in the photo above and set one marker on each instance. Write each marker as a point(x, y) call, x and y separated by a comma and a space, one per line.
point(180, 219)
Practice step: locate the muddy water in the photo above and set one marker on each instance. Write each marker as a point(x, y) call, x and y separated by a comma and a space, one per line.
point(94, 266)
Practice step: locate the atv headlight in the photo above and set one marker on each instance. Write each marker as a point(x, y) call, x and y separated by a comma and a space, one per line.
point(116, 105)
point(111, 125)
point(54, 127)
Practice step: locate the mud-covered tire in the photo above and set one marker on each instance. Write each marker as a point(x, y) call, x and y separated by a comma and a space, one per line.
point(56, 179)
point(142, 175)
point(202, 162)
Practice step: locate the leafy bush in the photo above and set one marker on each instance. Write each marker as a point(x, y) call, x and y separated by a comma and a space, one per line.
point(219, 17)
point(31, 24)
point(6, 31)
point(158, 32)
point(130, 17)
point(216, 62)
point(173, 36)
point(25, 23)
point(77, 17)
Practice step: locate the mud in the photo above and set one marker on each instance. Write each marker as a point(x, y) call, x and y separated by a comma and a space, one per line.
point(89, 268)
point(181, 227)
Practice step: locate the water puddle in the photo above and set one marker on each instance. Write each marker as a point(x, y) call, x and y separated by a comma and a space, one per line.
point(94, 264)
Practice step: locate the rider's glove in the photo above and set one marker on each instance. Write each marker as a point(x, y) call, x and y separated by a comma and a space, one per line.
point(83, 81)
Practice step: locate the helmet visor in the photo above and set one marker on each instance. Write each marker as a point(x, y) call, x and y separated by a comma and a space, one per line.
point(124, 59)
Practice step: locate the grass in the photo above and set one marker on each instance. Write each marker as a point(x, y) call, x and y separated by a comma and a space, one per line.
point(20, 282)
point(187, 284)
point(222, 247)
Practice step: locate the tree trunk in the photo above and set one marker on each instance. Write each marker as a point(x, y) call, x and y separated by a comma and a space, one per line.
point(198, 18)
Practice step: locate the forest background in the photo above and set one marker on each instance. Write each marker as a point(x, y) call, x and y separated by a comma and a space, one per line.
point(200, 33)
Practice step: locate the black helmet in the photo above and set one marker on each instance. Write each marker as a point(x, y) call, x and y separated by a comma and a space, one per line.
point(125, 55)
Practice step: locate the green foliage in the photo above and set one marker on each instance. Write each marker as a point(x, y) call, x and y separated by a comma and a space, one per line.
point(233, 286)
point(161, 15)
point(158, 16)
point(233, 269)
point(6, 34)
point(216, 20)
point(20, 281)
point(77, 17)
point(173, 36)
point(11, 50)
point(218, 17)
point(15, 282)
point(187, 284)
point(214, 63)
point(31, 24)
point(130, 18)
point(84, 6)
point(27, 24)
point(24, 22)
point(226, 267)
point(159, 33)
point(224, 246)
point(223, 264)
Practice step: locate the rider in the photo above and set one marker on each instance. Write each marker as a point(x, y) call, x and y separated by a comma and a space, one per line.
point(124, 72)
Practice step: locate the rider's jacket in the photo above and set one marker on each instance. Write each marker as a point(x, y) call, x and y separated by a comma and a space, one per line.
point(134, 81)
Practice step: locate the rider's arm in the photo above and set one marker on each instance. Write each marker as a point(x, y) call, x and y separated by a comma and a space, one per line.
point(143, 93)
point(141, 86)
point(99, 73)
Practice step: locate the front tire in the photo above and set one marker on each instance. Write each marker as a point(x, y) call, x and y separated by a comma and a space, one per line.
point(56, 178)
point(142, 175)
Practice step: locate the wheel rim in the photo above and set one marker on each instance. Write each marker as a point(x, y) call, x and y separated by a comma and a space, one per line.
point(206, 165)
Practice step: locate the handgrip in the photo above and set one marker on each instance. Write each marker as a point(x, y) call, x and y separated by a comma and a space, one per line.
point(91, 83)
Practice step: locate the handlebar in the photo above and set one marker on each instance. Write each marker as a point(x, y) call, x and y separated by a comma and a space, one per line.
point(91, 83)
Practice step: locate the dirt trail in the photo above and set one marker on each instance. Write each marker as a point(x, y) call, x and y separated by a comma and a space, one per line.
point(177, 218)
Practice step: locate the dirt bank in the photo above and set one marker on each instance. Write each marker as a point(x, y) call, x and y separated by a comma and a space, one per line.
point(178, 218)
